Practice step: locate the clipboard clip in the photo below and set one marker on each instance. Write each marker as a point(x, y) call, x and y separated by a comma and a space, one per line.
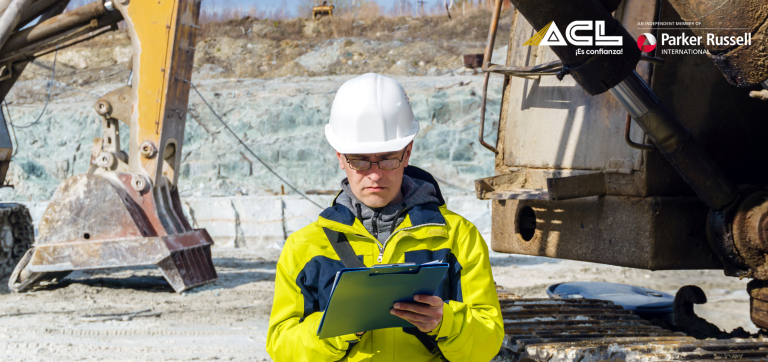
point(393, 265)
point(400, 269)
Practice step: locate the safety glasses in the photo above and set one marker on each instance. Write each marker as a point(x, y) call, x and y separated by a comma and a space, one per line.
point(362, 165)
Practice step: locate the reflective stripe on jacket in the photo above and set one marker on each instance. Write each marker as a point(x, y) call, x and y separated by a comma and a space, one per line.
point(471, 329)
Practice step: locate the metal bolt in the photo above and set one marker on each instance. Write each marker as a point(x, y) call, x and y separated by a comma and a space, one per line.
point(103, 107)
point(109, 5)
point(105, 159)
point(138, 183)
point(148, 149)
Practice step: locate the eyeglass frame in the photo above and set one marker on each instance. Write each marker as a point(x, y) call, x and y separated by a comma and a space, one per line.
point(400, 162)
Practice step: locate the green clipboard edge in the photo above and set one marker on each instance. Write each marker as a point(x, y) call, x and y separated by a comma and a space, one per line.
point(362, 297)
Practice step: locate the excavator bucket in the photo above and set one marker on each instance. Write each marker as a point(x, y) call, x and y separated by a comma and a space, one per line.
point(96, 221)
point(126, 210)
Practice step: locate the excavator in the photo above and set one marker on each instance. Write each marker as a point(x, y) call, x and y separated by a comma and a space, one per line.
point(685, 188)
point(125, 211)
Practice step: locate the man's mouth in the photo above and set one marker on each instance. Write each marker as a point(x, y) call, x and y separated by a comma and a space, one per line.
point(374, 188)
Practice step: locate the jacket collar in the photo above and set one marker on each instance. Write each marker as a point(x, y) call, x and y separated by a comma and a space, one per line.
point(426, 219)
point(340, 218)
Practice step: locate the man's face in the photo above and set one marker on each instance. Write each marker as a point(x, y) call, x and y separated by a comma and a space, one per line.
point(376, 187)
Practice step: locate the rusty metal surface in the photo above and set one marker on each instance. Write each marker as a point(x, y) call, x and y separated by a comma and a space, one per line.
point(758, 302)
point(742, 65)
point(116, 104)
point(655, 233)
point(749, 232)
point(727, 124)
point(573, 130)
point(518, 194)
point(36, 9)
point(565, 188)
point(676, 143)
point(584, 330)
point(498, 183)
point(486, 61)
point(87, 208)
point(473, 60)
point(630, 143)
point(739, 234)
point(113, 219)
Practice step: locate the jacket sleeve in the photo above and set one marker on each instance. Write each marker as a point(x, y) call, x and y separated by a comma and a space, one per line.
point(473, 329)
point(289, 337)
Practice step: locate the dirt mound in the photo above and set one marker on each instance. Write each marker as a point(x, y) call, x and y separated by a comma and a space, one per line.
point(263, 48)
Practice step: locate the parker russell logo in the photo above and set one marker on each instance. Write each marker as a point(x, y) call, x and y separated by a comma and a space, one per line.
point(550, 35)
point(649, 39)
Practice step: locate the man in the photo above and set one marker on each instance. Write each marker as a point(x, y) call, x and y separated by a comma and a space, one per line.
point(388, 212)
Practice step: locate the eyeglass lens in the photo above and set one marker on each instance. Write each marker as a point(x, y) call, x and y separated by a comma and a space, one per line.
point(362, 165)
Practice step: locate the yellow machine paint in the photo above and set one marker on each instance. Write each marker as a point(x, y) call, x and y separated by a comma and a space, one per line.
point(126, 210)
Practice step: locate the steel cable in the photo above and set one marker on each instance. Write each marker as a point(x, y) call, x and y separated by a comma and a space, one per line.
point(248, 148)
point(8, 110)
point(47, 100)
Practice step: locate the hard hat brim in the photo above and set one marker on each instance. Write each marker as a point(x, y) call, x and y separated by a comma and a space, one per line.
point(368, 147)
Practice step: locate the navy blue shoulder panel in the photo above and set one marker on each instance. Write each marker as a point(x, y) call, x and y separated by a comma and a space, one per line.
point(428, 213)
point(316, 281)
point(339, 213)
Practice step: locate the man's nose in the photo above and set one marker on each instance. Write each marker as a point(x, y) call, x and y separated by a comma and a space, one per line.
point(374, 173)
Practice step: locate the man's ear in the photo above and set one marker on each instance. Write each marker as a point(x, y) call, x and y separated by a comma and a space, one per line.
point(341, 160)
point(407, 157)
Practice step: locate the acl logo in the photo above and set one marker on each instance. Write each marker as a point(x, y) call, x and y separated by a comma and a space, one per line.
point(550, 35)
point(651, 42)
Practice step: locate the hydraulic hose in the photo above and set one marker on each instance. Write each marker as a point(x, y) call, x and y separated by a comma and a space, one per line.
point(675, 142)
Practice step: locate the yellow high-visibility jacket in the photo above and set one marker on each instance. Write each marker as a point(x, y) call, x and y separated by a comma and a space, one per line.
point(471, 329)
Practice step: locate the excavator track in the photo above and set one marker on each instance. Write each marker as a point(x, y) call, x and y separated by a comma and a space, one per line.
point(584, 330)
point(16, 235)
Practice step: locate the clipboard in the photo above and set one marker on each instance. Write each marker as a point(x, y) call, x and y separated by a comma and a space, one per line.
point(362, 297)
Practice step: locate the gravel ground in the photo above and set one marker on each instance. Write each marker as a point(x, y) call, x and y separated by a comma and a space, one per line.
point(227, 320)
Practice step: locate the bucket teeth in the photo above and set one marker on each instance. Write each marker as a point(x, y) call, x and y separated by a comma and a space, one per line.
point(188, 268)
point(101, 221)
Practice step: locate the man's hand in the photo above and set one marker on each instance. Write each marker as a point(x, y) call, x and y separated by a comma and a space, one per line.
point(425, 315)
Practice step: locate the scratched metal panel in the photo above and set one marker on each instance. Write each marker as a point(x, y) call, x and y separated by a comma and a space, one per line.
point(555, 124)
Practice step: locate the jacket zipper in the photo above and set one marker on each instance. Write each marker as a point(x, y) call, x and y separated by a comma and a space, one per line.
point(382, 247)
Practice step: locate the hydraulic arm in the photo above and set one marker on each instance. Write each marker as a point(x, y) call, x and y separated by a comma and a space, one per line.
point(126, 210)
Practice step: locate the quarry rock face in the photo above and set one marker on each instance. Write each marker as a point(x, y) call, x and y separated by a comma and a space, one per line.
point(227, 190)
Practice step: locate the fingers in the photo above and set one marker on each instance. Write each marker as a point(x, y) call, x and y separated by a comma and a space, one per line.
point(413, 317)
point(415, 307)
point(417, 320)
point(432, 300)
point(424, 317)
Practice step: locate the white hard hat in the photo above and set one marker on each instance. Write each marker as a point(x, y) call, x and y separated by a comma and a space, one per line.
point(371, 114)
